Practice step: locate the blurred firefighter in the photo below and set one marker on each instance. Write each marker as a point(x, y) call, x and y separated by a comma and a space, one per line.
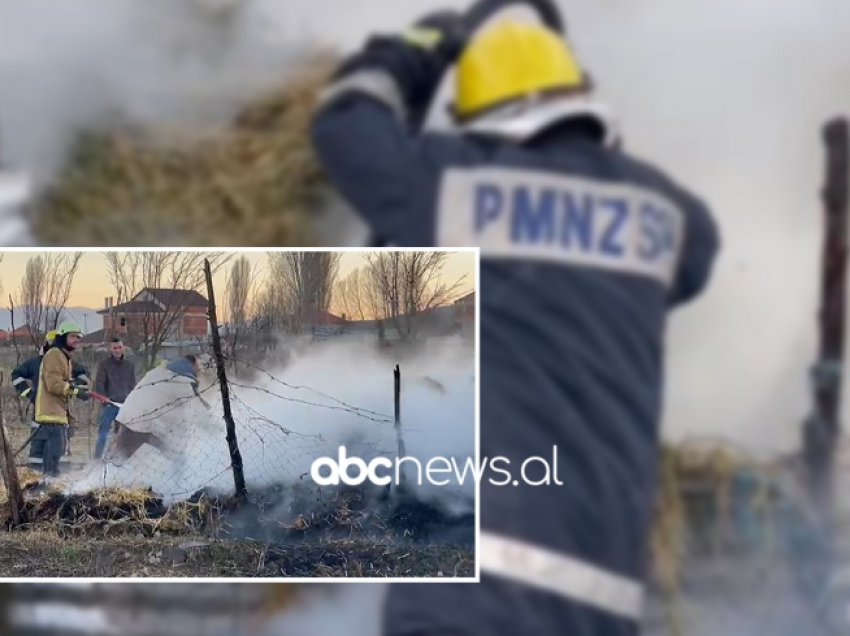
point(584, 249)
point(161, 402)
point(56, 389)
point(25, 382)
point(116, 378)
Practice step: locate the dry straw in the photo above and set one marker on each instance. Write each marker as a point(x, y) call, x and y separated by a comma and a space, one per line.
point(252, 184)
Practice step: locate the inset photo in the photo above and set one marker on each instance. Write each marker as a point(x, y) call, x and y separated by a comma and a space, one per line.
point(239, 414)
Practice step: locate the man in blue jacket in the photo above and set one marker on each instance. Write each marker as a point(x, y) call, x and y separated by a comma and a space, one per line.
point(24, 379)
point(584, 250)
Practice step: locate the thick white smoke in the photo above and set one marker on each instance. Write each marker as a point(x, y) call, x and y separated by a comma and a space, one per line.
point(729, 96)
point(338, 395)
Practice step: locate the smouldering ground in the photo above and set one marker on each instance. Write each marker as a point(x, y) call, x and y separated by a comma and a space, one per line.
point(44, 553)
point(120, 533)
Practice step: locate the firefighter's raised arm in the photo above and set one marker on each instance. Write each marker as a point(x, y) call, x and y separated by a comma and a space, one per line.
point(365, 132)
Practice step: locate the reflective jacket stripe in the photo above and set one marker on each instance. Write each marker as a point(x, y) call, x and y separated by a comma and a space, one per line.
point(40, 417)
point(560, 574)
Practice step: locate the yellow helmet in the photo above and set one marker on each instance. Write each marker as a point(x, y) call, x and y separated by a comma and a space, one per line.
point(511, 60)
point(51, 336)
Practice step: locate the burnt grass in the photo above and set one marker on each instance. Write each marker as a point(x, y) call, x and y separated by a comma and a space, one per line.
point(279, 531)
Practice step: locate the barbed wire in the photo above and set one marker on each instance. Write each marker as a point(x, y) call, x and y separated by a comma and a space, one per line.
point(348, 409)
point(297, 387)
point(191, 452)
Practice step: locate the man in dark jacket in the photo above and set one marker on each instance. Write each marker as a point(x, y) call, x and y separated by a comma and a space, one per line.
point(25, 380)
point(584, 250)
point(116, 378)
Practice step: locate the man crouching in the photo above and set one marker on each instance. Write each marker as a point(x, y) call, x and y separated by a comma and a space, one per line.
point(155, 412)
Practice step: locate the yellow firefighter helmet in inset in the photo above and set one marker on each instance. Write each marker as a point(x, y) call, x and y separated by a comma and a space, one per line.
point(516, 78)
point(69, 327)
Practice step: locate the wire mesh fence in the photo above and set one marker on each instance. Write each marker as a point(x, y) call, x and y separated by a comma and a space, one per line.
point(180, 446)
point(172, 443)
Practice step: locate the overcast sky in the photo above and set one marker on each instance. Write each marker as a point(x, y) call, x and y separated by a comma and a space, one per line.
point(91, 284)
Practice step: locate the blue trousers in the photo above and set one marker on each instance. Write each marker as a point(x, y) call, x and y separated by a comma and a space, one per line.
point(107, 415)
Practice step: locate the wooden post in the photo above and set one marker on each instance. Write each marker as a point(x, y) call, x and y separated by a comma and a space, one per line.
point(233, 446)
point(822, 430)
point(10, 470)
point(397, 404)
point(18, 404)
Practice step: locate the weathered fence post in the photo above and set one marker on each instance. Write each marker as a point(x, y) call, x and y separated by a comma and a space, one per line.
point(823, 428)
point(233, 446)
point(17, 354)
point(10, 470)
point(397, 418)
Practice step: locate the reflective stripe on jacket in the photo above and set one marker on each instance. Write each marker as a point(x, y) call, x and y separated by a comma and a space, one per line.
point(51, 401)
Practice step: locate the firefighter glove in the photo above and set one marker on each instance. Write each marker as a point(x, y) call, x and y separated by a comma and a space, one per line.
point(81, 394)
point(415, 59)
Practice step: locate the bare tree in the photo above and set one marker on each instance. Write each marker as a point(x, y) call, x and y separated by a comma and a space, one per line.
point(269, 308)
point(358, 295)
point(45, 290)
point(407, 285)
point(351, 295)
point(237, 295)
point(132, 273)
point(300, 284)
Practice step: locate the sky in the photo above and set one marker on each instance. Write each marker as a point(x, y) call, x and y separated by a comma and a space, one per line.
point(92, 285)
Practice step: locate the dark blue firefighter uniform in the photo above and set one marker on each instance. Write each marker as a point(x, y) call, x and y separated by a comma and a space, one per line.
point(584, 249)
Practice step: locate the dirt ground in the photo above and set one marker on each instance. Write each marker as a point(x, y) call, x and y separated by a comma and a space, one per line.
point(44, 553)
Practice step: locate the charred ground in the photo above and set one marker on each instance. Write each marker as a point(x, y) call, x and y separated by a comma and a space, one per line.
point(275, 532)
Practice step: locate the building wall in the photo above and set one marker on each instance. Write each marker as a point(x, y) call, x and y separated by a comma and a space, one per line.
point(194, 323)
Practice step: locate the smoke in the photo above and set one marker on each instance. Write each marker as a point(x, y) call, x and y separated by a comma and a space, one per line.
point(727, 96)
point(327, 397)
point(88, 65)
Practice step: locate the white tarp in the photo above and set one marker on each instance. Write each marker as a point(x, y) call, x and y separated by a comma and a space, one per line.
point(164, 404)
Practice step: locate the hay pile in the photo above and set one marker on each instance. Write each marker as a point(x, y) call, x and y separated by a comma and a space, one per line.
point(253, 184)
point(716, 504)
point(279, 515)
point(703, 489)
point(713, 500)
point(111, 512)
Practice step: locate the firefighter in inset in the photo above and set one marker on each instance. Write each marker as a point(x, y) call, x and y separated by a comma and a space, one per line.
point(56, 389)
point(25, 381)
